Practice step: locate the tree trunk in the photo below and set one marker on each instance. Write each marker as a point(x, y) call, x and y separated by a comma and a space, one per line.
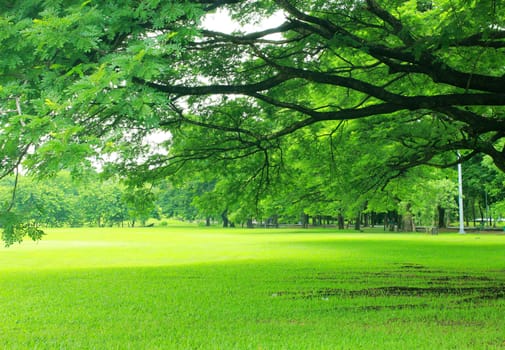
point(304, 220)
point(367, 220)
point(207, 221)
point(357, 225)
point(340, 220)
point(474, 213)
point(273, 221)
point(441, 217)
point(392, 221)
point(224, 217)
point(249, 223)
point(408, 222)
point(482, 216)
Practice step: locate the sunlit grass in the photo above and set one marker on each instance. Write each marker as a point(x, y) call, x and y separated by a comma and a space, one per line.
point(197, 288)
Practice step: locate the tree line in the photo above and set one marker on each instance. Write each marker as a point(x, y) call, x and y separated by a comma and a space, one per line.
point(65, 201)
point(424, 198)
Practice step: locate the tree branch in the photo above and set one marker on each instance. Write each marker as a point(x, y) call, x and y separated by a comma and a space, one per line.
point(397, 25)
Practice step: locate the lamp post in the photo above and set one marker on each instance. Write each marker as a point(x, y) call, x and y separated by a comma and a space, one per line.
point(487, 211)
point(460, 199)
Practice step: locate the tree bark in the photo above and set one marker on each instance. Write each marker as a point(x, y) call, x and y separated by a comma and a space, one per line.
point(304, 220)
point(224, 217)
point(441, 217)
point(357, 224)
point(367, 220)
point(474, 217)
point(408, 222)
point(340, 220)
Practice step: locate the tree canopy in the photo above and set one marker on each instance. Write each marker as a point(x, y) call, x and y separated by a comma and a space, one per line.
point(83, 82)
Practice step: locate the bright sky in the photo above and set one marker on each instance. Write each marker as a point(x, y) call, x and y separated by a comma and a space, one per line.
point(220, 21)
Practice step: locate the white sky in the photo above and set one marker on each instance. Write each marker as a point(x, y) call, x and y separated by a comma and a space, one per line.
point(220, 21)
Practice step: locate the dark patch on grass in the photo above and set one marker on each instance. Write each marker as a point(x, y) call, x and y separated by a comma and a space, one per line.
point(412, 266)
point(466, 294)
point(493, 292)
point(458, 323)
point(327, 277)
point(423, 275)
point(392, 307)
point(461, 278)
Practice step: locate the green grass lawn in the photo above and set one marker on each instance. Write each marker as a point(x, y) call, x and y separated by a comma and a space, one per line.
point(198, 288)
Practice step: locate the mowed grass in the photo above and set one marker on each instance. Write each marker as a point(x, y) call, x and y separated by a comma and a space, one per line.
point(197, 288)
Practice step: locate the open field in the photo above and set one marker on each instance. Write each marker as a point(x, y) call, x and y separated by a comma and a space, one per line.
point(197, 288)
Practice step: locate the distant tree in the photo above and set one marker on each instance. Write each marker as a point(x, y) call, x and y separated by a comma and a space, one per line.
point(140, 204)
point(177, 201)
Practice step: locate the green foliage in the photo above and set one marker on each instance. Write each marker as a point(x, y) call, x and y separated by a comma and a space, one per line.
point(66, 201)
point(15, 229)
point(178, 201)
point(140, 203)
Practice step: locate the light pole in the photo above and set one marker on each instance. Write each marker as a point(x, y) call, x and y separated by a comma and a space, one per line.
point(487, 211)
point(460, 199)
